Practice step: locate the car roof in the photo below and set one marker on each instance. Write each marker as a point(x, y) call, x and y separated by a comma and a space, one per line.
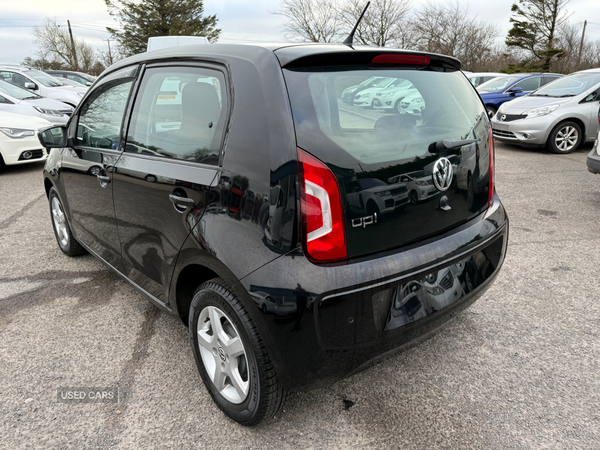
point(483, 74)
point(286, 53)
point(594, 70)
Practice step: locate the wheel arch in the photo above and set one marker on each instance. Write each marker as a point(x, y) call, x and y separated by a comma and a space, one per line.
point(193, 268)
point(47, 186)
point(577, 120)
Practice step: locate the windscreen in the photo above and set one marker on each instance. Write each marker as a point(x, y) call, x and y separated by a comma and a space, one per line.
point(569, 86)
point(15, 91)
point(44, 78)
point(498, 84)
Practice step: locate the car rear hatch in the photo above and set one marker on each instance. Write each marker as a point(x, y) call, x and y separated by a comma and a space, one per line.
point(386, 163)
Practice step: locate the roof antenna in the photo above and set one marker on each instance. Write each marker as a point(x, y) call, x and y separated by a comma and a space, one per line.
point(350, 38)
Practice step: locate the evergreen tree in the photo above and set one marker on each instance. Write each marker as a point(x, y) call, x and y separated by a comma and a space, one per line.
point(535, 26)
point(143, 19)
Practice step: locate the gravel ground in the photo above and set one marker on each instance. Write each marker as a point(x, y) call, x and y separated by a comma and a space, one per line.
point(519, 369)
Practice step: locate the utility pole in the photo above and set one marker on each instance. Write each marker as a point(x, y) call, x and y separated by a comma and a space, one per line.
point(110, 60)
point(581, 44)
point(73, 46)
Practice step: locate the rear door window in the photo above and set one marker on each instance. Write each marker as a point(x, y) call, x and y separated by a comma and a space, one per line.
point(180, 113)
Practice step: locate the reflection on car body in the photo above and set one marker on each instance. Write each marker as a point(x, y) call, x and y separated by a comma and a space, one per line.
point(373, 196)
point(419, 184)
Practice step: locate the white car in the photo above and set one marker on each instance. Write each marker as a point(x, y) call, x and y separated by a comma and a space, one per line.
point(366, 97)
point(391, 97)
point(19, 143)
point(419, 184)
point(443, 287)
point(478, 78)
point(373, 196)
point(41, 83)
point(412, 104)
point(22, 101)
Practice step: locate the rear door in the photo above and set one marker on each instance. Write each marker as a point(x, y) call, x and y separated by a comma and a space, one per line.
point(87, 167)
point(359, 144)
point(171, 159)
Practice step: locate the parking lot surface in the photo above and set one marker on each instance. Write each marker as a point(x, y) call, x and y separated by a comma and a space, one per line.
point(519, 369)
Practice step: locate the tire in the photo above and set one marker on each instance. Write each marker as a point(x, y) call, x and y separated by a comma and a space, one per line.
point(490, 111)
point(372, 208)
point(264, 308)
point(62, 231)
point(397, 107)
point(414, 197)
point(564, 138)
point(2, 165)
point(258, 395)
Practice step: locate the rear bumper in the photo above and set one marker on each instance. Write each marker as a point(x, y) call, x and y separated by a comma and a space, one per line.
point(348, 315)
point(593, 160)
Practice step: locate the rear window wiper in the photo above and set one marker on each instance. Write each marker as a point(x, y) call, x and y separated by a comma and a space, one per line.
point(445, 144)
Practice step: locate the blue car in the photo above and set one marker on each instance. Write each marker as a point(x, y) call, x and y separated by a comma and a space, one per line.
point(503, 89)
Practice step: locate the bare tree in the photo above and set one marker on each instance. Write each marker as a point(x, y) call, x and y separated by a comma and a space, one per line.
point(384, 23)
point(449, 30)
point(54, 44)
point(310, 20)
point(569, 39)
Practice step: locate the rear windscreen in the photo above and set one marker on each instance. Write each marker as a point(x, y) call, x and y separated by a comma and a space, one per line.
point(363, 119)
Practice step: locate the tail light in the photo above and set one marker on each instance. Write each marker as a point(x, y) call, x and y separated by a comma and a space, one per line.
point(323, 230)
point(492, 169)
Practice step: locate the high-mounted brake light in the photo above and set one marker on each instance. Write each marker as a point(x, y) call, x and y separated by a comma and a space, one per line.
point(402, 59)
point(492, 169)
point(323, 230)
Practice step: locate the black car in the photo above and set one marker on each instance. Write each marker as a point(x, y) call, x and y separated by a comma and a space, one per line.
point(79, 77)
point(250, 151)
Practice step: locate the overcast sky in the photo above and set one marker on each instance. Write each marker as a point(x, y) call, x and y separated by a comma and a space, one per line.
point(240, 20)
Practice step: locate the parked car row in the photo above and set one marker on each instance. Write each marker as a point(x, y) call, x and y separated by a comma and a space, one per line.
point(527, 109)
point(31, 99)
point(561, 115)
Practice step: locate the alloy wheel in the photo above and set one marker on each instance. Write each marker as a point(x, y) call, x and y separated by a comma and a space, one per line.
point(566, 138)
point(223, 354)
point(58, 217)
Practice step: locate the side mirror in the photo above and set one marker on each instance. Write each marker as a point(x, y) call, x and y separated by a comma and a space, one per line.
point(31, 86)
point(54, 137)
point(88, 83)
point(515, 90)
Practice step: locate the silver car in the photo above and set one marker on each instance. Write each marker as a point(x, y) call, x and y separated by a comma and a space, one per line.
point(560, 115)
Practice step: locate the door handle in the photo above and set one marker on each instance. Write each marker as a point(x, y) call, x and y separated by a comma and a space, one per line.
point(182, 201)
